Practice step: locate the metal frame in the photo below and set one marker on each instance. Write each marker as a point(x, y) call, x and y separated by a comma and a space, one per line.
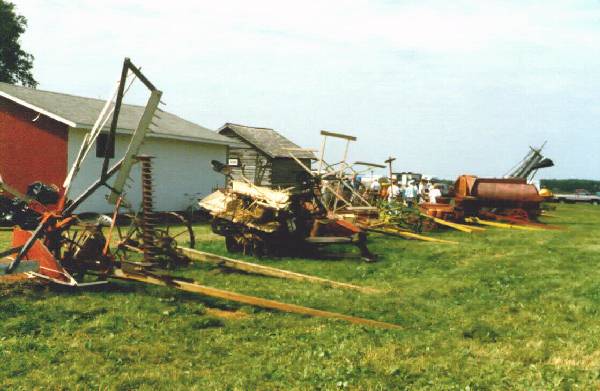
point(122, 166)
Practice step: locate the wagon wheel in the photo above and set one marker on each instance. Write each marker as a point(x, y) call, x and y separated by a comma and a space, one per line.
point(176, 227)
point(171, 228)
point(82, 250)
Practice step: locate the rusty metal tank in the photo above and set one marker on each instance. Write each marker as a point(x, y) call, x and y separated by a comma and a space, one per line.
point(496, 189)
point(497, 196)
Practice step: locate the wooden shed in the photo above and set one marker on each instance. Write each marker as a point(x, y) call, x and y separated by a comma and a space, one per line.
point(265, 157)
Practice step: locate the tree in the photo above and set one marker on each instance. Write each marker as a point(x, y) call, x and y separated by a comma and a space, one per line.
point(15, 63)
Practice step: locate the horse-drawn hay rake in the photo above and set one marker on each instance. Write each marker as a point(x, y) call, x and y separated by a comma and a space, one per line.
point(67, 250)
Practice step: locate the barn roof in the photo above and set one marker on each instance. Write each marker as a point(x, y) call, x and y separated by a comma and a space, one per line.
point(81, 112)
point(267, 140)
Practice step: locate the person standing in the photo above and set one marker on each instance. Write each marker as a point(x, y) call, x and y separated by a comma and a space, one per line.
point(434, 193)
point(374, 189)
point(410, 193)
point(393, 191)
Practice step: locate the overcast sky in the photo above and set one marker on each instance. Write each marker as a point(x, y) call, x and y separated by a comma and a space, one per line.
point(446, 87)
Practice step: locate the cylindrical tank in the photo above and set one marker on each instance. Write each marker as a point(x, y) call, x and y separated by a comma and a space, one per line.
point(505, 190)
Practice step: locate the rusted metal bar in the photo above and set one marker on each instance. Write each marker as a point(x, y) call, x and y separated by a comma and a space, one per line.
point(90, 190)
point(115, 119)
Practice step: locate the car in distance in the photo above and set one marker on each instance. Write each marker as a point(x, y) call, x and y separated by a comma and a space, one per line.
point(580, 195)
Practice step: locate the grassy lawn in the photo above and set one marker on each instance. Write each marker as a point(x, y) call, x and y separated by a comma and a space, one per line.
point(502, 310)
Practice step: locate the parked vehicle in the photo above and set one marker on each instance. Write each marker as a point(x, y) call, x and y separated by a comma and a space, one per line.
point(580, 195)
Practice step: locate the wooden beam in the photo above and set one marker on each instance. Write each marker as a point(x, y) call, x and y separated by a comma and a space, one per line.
point(496, 224)
point(460, 227)
point(249, 267)
point(359, 163)
point(338, 135)
point(250, 300)
point(410, 235)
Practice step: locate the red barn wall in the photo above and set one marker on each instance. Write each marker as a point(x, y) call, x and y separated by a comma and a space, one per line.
point(31, 150)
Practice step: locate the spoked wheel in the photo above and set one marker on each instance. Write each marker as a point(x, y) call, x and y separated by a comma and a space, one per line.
point(84, 251)
point(170, 230)
point(130, 238)
point(176, 227)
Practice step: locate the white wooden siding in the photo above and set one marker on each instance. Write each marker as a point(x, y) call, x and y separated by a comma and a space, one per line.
point(181, 168)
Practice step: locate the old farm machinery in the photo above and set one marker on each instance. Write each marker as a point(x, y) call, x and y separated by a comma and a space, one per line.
point(260, 221)
point(490, 201)
point(343, 200)
point(494, 201)
point(530, 164)
point(67, 250)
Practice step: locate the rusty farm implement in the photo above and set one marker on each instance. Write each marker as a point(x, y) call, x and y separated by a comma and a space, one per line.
point(498, 202)
point(68, 250)
point(343, 201)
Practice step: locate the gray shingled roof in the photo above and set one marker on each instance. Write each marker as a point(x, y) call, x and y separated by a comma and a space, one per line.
point(267, 140)
point(82, 113)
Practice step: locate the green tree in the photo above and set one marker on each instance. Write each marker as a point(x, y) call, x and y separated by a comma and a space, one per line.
point(15, 63)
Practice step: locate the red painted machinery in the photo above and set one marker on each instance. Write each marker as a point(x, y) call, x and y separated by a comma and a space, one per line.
point(512, 200)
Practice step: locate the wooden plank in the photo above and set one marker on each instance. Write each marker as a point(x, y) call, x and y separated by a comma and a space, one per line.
point(249, 267)
point(496, 224)
point(410, 235)
point(359, 163)
point(337, 135)
point(250, 300)
point(460, 227)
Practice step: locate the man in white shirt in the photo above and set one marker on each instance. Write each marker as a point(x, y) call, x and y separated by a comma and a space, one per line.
point(434, 193)
point(393, 191)
point(375, 186)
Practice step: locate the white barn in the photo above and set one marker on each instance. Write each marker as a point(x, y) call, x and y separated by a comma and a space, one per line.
point(41, 133)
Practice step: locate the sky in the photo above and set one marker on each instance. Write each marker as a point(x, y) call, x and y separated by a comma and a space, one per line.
point(447, 88)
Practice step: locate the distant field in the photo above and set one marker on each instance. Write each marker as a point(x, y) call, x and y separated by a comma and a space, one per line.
point(503, 310)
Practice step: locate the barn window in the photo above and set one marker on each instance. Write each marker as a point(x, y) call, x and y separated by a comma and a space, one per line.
point(101, 141)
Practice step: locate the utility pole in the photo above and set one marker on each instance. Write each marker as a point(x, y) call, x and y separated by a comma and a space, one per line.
point(389, 162)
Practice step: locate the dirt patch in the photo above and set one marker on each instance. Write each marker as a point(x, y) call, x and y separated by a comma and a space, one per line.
point(235, 315)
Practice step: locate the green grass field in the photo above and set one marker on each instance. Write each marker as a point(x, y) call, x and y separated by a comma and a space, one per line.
point(503, 310)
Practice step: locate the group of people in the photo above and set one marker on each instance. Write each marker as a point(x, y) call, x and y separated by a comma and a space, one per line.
point(413, 193)
point(410, 194)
